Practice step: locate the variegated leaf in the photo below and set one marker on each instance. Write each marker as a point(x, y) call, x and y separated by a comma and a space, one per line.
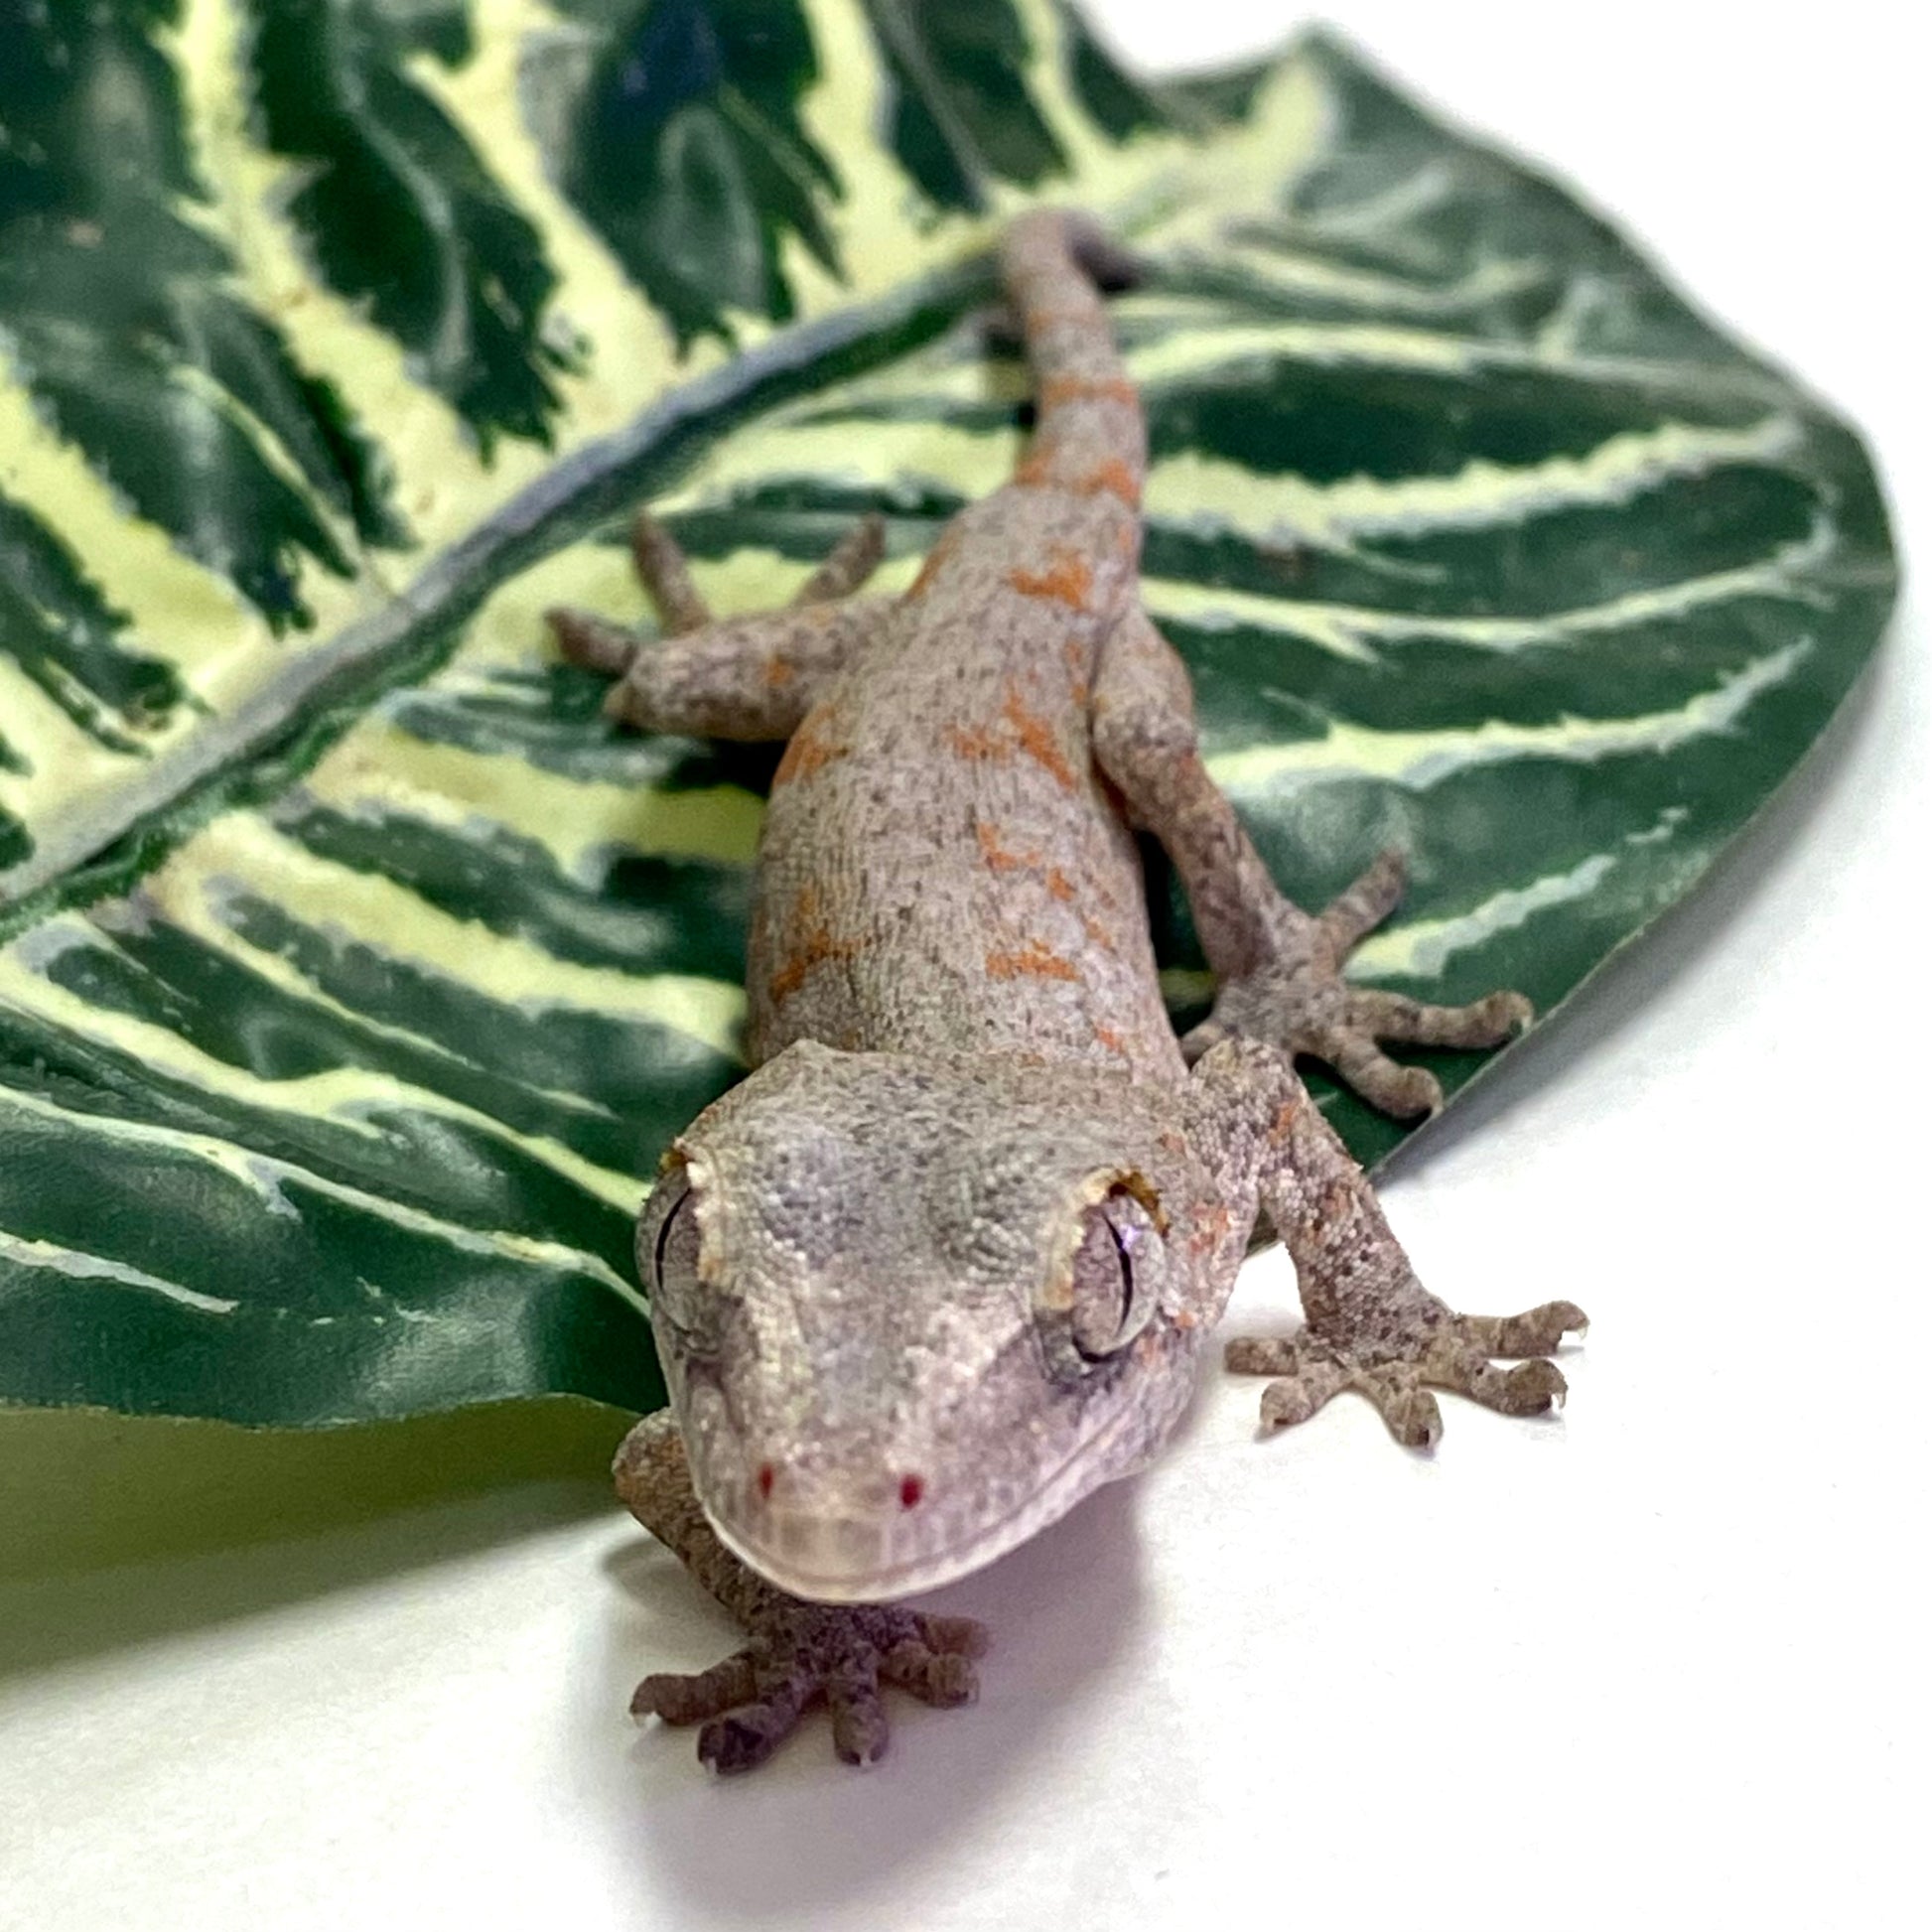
point(353, 980)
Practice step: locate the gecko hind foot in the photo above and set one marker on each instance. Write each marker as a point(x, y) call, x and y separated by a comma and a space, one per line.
point(1300, 1001)
point(1453, 1354)
point(807, 1654)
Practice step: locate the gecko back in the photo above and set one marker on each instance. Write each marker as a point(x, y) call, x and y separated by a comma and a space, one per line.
point(943, 869)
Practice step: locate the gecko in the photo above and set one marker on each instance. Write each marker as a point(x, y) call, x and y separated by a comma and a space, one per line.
point(948, 1258)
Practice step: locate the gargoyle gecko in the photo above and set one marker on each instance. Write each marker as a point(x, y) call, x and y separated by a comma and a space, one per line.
point(944, 1261)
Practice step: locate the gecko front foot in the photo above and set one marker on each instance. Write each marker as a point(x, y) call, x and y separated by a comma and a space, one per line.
point(1297, 999)
point(1396, 1373)
point(805, 1654)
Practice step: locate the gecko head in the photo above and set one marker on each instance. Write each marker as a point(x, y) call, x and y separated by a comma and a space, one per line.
point(910, 1312)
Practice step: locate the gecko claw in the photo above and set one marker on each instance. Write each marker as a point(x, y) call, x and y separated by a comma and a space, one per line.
point(1454, 1353)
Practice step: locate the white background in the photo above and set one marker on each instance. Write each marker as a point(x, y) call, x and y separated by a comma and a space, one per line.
point(1661, 1659)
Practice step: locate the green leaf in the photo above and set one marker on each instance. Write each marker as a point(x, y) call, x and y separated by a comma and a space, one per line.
point(344, 1015)
point(399, 210)
point(681, 142)
point(120, 320)
point(69, 641)
point(961, 116)
point(1117, 101)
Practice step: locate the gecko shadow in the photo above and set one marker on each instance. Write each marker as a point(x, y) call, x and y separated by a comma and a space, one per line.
point(1066, 1610)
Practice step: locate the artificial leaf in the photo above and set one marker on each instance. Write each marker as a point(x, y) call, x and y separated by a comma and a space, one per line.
point(398, 209)
point(122, 327)
point(960, 116)
point(340, 1029)
point(679, 138)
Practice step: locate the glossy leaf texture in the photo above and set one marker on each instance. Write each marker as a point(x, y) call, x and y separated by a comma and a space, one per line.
point(343, 1015)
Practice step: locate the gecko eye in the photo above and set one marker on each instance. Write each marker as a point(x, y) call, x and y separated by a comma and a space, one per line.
point(1116, 1276)
point(671, 1231)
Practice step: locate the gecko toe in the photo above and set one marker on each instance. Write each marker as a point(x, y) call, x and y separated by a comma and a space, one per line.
point(807, 1654)
point(1412, 1414)
point(742, 1740)
point(1531, 1387)
point(678, 1698)
point(958, 1636)
point(1396, 1374)
point(860, 1732)
point(943, 1679)
point(1535, 1333)
point(1406, 1092)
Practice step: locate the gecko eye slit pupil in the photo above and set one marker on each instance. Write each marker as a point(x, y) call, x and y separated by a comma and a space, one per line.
point(1119, 1270)
point(674, 1283)
point(1103, 1284)
point(668, 1231)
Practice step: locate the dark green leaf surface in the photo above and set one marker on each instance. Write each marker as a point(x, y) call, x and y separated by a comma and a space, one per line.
point(69, 639)
point(333, 1057)
point(960, 116)
point(398, 210)
point(681, 140)
point(1119, 104)
point(120, 320)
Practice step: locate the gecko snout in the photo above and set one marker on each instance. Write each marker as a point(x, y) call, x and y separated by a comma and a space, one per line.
point(911, 1486)
point(824, 1534)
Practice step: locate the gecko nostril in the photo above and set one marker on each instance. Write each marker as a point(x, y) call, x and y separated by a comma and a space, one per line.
point(910, 1490)
point(767, 1476)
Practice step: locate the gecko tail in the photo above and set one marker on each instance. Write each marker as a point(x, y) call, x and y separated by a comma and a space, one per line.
point(1089, 436)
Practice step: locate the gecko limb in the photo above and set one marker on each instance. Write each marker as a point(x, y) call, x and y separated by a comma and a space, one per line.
point(850, 562)
point(748, 678)
point(665, 573)
point(1278, 968)
point(1294, 995)
point(1370, 1324)
point(799, 1655)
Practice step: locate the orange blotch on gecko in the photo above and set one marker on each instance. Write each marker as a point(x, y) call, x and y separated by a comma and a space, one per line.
point(1057, 391)
point(935, 560)
point(996, 855)
point(1034, 961)
point(1114, 478)
point(815, 945)
point(976, 742)
point(1000, 857)
point(1067, 578)
point(1036, 739)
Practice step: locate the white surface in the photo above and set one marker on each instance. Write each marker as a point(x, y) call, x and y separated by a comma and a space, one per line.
point(1659, 1660)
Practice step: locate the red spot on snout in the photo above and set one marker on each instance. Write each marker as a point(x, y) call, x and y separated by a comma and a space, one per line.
point(767, 1476)
point(910, 1490)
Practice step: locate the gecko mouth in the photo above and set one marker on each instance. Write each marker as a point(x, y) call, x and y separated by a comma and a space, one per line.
point(865, 1557)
